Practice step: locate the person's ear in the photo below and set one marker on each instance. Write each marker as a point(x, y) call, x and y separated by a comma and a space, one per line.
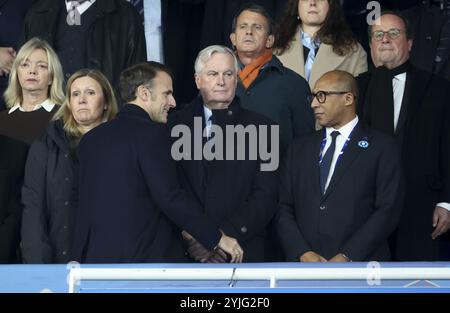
point(233, 39)
point(270, 41)
point(349, 99)
point(197, 80)
point(143, 93)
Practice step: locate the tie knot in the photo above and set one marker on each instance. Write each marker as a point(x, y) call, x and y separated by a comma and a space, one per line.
point(334, 134)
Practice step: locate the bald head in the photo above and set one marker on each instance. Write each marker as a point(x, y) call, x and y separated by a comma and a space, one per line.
point(342, 80)
point(335, 102)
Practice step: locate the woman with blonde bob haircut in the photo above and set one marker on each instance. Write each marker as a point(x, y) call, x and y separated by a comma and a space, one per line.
point(34, 91)
point(49, 193)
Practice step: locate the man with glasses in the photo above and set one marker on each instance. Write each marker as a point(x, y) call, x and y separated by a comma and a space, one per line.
point(412, 106)
point(340, 188)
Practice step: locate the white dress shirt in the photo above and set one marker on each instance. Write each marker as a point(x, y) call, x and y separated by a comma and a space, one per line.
point(208, 123)
point(344, 134)
point(398, 86)
point(153, 30)
point(81, 8)
point(48, 106)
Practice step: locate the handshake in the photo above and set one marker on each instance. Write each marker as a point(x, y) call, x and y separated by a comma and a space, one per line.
point(227, 250)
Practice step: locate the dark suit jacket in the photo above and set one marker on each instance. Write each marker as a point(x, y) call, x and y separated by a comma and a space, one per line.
point(360, 208)
point(427, 23)
point(130, 203)
point(239, 197)
point(11, 18)
point(114, 41)
point(423, 135)
point(13, 154)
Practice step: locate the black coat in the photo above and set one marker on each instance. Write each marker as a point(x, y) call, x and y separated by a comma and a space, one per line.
point(423, 135)
point(131, 208)
point(11, 18)
point(49, 197)
point(360, 208)
point(116, 38)
point(427, 23)
point(281, 95)
point(13, 155)
point(239, 197)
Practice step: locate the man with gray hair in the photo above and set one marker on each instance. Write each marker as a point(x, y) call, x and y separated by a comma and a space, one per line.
point(228, 177)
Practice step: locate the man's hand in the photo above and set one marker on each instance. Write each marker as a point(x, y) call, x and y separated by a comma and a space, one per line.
point(339, 258)
point(7, 56)
point(195, 249)
point(218, 256)
point(311, 256)
point(232, 247)
point(199, 253)
point(441, 221)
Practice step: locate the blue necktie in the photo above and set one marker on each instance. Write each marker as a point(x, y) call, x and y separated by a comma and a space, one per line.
point(312, 45)
point(325, 165)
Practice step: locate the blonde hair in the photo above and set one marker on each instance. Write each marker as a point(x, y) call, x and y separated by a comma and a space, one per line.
point(64, 112)
point(13, 94)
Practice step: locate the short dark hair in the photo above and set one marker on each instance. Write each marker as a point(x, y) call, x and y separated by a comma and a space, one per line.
point(408, 28)
point(255, 8)
point(137, 75)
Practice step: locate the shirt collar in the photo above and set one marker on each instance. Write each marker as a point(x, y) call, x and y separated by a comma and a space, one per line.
point(207, 112)
point(305, 37)
point(48, 106)
point(401, 77)
point(80, 8)
point(345, 130)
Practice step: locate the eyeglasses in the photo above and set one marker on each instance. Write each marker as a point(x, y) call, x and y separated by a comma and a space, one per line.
point(392, 33)
point(322, 95)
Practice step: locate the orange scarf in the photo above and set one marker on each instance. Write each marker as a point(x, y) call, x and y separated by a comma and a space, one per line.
point(249, 73)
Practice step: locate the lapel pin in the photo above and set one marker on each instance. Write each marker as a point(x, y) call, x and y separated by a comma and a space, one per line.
point(363, 144)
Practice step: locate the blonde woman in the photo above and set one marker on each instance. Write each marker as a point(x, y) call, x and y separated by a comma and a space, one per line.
point(34, 91)
point(50, 186)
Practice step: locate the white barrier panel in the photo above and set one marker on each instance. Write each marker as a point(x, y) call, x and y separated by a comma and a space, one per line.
point(76, 275)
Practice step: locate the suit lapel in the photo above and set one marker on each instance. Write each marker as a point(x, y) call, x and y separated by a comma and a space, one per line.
point(415, 88)
point(350, 154)
point(194, 168)
point(294, 56)
point(320, 67)
point(315, 160)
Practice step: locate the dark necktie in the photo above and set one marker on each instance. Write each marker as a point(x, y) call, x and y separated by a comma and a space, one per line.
point(326, 161)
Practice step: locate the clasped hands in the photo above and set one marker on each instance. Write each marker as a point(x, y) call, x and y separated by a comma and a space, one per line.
point(227, 247)
point(311, 256)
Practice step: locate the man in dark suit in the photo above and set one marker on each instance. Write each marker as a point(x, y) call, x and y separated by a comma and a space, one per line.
point(343, 205)
point(12, 14)
point(13, 154)
point(411, 105)
point(430, 51)
point(238, 194)
point(107, 35)
point(131, 208)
